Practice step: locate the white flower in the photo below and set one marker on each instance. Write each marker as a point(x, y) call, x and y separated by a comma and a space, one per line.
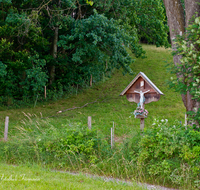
point(166, 120)
point(162, 120)
point(153, 124)
point(39, 140)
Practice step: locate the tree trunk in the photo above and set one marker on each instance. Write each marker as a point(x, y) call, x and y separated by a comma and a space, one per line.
point(177, 23)
point(54, 54)
point(191, 8)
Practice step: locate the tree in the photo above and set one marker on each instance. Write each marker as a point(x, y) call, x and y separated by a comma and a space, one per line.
point(60, 44)
point(179, 15)
point(146, 16)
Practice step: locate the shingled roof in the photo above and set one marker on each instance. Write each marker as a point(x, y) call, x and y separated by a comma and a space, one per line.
point(141, 74)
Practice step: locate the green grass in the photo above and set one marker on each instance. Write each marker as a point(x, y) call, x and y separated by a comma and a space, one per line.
point(35, 177)
point(111, 107)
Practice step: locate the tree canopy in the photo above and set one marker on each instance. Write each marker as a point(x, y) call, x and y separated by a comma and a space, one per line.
point(60, 44)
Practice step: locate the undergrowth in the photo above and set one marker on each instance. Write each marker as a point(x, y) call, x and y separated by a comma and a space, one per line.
point(164, 154)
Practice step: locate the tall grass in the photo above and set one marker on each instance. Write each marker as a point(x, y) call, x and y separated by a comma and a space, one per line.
point(73, 147)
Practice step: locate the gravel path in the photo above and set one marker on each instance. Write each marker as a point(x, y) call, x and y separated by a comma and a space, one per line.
point(106, 179)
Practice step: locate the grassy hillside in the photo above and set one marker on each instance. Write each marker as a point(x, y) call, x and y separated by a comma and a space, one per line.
point(43, 136)
point(110, 106)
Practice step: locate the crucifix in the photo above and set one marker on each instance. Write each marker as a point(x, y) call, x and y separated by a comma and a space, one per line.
point(142, 99)
point(141, 90)
point(141, 93)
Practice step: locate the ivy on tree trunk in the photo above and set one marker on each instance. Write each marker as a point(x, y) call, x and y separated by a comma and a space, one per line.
point(178, 21)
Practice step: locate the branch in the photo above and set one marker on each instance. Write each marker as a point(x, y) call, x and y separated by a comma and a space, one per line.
point(77, 107)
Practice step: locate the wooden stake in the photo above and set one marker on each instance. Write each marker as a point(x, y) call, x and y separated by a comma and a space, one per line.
point(113, 133)
point(111, 139)
point(6, 128)
point(89, 122)
point(185, 121)
point(45, 92)
point(91, 80)
point(141, 124)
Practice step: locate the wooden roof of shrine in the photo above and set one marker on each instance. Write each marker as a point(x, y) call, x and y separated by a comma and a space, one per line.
point(151, 84)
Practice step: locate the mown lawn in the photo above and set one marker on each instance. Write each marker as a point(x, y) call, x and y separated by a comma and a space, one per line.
point(35, 177)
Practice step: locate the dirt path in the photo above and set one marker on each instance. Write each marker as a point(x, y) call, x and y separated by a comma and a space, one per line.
point(106, 179)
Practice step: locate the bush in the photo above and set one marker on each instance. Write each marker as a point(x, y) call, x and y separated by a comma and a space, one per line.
point(68, 146)
point(165, 153)
point(170, 153)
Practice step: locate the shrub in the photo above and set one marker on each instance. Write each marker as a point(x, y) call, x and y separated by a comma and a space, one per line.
point(68, 146)
point(170, 153)
point(165, 153)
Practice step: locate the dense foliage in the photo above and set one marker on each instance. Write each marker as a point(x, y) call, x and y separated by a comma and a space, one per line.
point(188, 46)
point(60, 44)
point(165, 153)
point(171, 153)
point(71, 144)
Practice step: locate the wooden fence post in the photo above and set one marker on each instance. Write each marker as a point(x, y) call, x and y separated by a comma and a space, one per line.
point(113, 133)
point(6, 128)
point(111, 138)
point(185, 121)
point(141, 124)
point(45, 92)
point(89, 122)
point(91, 80)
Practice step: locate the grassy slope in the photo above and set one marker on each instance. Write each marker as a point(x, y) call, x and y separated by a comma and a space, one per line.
point(34, 177)
point(113, 108)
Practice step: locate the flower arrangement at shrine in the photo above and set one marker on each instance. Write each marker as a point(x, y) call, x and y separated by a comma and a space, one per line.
point(140, 112)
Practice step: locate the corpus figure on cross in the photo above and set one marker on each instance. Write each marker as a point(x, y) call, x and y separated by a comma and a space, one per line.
point(141, 97)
